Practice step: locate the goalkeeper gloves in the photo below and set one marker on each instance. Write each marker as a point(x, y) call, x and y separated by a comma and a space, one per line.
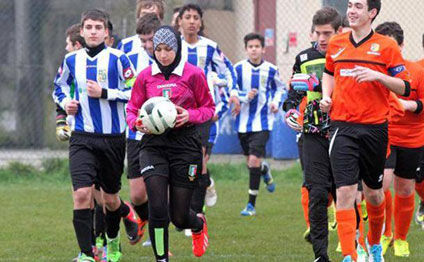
point(291, 119)
point(304, 82)
point(63, 132)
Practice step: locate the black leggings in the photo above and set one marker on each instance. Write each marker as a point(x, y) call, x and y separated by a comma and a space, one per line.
point(179, 212)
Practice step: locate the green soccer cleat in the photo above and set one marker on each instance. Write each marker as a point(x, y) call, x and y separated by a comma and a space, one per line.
point(307, 235)
point(419, 215)
point(84, 258)
point(339, 247)
point(386, 242)
point(401, 248)
point(113, 249)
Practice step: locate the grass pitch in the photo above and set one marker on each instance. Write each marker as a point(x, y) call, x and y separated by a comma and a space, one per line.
point(36, 220)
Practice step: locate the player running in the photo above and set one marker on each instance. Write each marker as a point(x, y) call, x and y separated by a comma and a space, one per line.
point(362, 67)
point(97, 144)
point(406, 137)
point(260, 91)
point(205, 54)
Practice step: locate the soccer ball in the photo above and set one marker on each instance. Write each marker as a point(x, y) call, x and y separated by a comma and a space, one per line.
point(158, 114)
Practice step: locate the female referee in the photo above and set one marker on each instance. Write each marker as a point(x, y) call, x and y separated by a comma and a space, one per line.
point(173, 159)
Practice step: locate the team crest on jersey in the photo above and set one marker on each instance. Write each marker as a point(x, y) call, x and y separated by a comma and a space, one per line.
point(374, 49)
point(128, 73)
point(192, 171)
point(263, 81)
point(167, 93)
point(303, 57)
point(101, 75)
point(202, 62)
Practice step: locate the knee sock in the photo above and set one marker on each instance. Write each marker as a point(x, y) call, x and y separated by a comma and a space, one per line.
point(376, 222)
point(304, 200)
point(123, 209)
point(83, 225)
point(254, 181)
point(142, 211)
point(112, 218)
point(389, 213)
point(419, 188)
point(99, 224)
point(264, 169)
point(199, 193)
point(346, 228)
point(404, 211)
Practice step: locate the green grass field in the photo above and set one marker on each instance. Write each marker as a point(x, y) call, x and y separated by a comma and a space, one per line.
point(36, 220)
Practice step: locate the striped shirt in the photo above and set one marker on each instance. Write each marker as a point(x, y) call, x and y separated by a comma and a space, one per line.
point(140, 60)
point(255, 114)
point(130, 44)
point(112, 70)
point(206, 54)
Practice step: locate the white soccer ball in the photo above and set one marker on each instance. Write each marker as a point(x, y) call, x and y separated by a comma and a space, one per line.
point(158, 114)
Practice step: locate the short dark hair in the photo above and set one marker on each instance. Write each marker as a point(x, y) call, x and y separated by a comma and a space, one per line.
point(110, 27)
point(374, 4)
point(74, 34)
point(146, 4)
point(254, 36)
point(327, 15)
point(176, 10)
point(187, 7)
point(147, 24)
point(96, 15)
point(392, 29)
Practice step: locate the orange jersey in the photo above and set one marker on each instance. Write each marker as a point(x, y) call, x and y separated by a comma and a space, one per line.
point(408, 131)
point(366, 102)
point(421, 62)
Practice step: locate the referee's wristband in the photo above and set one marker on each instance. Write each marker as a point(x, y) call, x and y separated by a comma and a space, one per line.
point(407, 89)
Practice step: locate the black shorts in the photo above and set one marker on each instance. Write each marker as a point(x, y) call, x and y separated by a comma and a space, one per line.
point(93, 156)
point(358, 151)
point(133, 159)
point(176, 154)
point(404, 161)
point(317, 162)
point(420, 171)
point(254, 143)
point(204, 130)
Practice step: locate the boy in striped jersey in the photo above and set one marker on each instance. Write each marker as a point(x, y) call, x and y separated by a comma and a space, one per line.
point(102, 78)
point(260, 91)
point(130, 44)
point(146, 26)
point(204, 53)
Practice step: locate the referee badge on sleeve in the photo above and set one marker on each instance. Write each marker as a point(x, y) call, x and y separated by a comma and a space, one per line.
point(192, 171)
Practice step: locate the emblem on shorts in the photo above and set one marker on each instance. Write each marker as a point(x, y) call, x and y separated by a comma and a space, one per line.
point(192, 171)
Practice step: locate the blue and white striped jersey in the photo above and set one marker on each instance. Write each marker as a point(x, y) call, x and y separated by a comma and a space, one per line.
point(113, 71)
point(140, 60)
point(255, 114)
point(206, 54)
point(130, 44)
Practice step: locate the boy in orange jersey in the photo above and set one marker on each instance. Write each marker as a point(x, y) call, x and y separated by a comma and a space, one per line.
point(362, 67)
point(406, 136)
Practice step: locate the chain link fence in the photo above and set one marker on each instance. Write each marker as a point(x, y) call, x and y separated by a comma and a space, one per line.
point(33, 45)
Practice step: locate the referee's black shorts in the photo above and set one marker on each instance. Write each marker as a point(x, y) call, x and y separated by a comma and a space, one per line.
point(176, 155)
point(358, 151)
point(405, 161)
point(97, 157)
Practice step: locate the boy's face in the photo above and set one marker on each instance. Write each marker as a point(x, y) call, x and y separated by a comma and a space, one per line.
point(358, 14)
point(69, 46)
point(147, 42)
point(94, 32)
point(190, 22)
point(255, 50)
point(323, 34)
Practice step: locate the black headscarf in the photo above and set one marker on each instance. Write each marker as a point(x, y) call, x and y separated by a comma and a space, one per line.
point(161, 36)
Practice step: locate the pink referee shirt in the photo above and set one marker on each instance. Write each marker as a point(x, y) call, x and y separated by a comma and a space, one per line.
point(186, 87)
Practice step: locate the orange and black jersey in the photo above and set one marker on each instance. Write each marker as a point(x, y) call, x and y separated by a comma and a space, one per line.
point(408, 130)
point(366, 102)
point(421, 62)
